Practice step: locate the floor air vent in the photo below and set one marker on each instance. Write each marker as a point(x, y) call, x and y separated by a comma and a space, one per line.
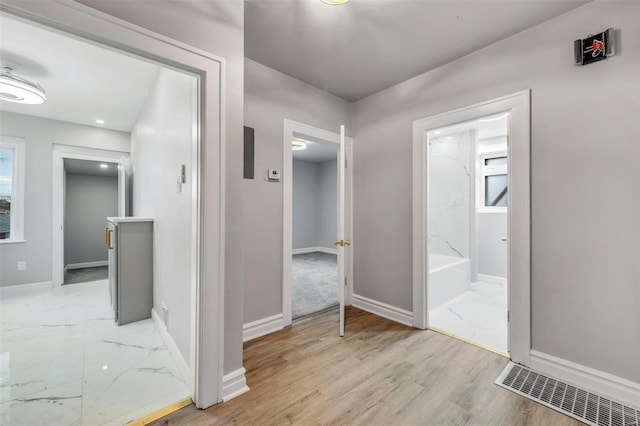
point(575, 402)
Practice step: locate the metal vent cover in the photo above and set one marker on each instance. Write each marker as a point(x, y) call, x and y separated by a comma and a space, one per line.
point(580, 404)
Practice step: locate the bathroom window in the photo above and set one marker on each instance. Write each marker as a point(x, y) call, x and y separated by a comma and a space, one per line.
point(11, 190)
point(494, 182)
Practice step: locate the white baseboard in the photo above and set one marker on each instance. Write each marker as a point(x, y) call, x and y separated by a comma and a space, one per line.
point(261, 327)
point(182, 365)
point(23, 289)
point(605, 384)
point(382, 309)
point(492, 279)
point(234, 384)
point(315, 249)
point(86, 265)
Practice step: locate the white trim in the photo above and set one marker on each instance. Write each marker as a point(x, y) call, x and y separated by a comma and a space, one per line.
point(234, 384)
point(290, 127)
point(182, 365)
point(19, 289)
point(600, 382)
point(519, 221)
point(86, 265)
point(492, 279)
point(314, 250)
point(261, 327)
point(207, 342)
point(384, 310)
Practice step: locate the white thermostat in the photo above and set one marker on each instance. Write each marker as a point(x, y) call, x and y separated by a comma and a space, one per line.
point(273, 175)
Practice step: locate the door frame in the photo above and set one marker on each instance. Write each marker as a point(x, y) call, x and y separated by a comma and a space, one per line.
point(519, 213)
point(58, 197)
point(291, 127)
point(207, 305)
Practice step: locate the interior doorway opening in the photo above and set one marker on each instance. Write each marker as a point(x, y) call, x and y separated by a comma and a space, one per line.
point(467, 195)
point(314, 272)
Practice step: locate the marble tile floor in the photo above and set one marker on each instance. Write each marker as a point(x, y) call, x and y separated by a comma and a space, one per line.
point(477, 315)
point(64, 361)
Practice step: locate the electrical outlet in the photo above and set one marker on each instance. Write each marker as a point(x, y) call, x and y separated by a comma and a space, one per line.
point(22, 266)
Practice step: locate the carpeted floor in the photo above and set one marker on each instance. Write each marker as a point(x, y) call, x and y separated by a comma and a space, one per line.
point(84, 275)
point(314, 284)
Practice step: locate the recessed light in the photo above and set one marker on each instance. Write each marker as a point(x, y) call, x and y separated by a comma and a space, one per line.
point(104, 166)
point(104, 367)
point(99, 121)
point(334, 2)
point(437, 132)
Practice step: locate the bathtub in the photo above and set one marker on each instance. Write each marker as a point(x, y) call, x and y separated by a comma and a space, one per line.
point(448, 278)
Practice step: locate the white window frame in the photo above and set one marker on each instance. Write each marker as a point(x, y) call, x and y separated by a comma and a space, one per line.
point(483, 171)
point(17, 188)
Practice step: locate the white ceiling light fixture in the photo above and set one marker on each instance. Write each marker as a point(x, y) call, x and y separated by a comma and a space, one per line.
point(99, 121)
point(104, 166)
point(20, 90)
point(500, 117)
point(298, 144)
point(334, 2)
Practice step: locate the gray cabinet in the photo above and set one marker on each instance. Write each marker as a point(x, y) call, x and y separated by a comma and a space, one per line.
point(130, 241)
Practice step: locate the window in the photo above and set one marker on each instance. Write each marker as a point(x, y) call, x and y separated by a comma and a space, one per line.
point(11, 190)
point(495, 193)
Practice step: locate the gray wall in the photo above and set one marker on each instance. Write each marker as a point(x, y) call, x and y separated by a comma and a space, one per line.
point(328, 221)
point(315, 204)
point(215, 26)
point(89, 201)
point(584, 249)
point(270, 97)
point(160, 143)
point(40, 135)
point(492, 251)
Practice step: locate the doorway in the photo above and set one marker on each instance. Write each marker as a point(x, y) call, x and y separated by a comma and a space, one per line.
point(91, 195)
point(471, 220)
point(315, 213)
point(312, 249)
point(467, 196)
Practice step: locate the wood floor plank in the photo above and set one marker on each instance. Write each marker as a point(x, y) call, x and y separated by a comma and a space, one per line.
point(380, 373)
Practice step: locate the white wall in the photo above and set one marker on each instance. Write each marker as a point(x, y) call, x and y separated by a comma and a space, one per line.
point(40, 135)
point(89, 201)
point(492, 251)
point(215, 26)
point(270, 97)
point(315, 204)
point(161, 142)
point(585, 181)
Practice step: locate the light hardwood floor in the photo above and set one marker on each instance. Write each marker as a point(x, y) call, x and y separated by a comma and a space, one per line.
point(380, 373)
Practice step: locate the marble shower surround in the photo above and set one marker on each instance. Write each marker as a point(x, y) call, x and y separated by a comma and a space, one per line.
point(449, 183)
point(63, 361)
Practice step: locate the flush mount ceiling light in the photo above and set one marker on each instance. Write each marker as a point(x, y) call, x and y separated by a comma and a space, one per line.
point(334, 2)
point(20, 90)
point(104, 166)
point(298, 144)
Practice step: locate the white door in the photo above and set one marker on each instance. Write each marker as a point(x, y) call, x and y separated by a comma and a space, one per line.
point(123, 188)
point(342, 243)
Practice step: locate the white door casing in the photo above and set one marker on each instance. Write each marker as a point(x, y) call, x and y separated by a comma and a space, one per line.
point(519, 213)
point(291, 127)
point(207, 343)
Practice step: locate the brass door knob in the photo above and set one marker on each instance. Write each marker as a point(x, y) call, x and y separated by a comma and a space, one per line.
point(338, 243)
point(347, 242)
point(505, 239)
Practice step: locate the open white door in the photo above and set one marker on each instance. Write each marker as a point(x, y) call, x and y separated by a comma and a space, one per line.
point(123, 188)
point(342, 243)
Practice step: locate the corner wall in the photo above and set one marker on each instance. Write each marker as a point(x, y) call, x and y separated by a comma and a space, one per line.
point(585, 181)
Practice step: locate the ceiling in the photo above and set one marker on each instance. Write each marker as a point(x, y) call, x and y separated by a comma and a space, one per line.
point(83, 82)
point(317, 151)
point(73, 166)
point(364, 46)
